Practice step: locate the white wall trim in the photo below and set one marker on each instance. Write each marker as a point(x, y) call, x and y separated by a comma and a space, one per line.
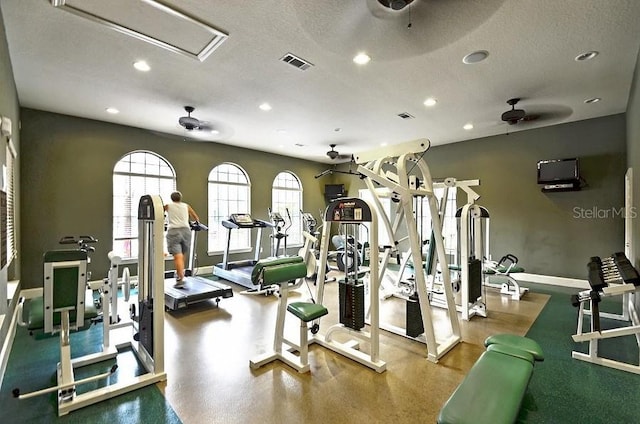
point(551, 280)
point(8, 343)
point(204, 270)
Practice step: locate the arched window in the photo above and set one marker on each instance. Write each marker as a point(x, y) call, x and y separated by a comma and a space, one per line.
point(136, 174)
point(229, 192)
point(286, 194)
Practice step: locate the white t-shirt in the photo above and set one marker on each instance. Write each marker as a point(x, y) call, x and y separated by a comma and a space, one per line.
point(178, 215)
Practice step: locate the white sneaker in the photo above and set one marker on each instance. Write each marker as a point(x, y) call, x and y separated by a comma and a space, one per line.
point(179, 284)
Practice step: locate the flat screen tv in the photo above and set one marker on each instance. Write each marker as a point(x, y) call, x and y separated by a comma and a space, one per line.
point(558, 171)
point(333, 191)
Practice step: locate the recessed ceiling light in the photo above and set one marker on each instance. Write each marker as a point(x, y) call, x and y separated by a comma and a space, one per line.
point(430, 102)
point(112, 110)
point(265, 106)
point(593, 100)
point(468, 126)
point(142, 66)
point(362, 59)
point(475, 57)
point(586, 56)
point(214, 132)
point(383, 144)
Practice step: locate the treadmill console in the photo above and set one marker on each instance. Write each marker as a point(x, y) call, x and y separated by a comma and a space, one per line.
point(242, 220)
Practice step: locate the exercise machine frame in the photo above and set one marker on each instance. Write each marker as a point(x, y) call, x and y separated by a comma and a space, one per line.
point(147, 342)
point(392, 168)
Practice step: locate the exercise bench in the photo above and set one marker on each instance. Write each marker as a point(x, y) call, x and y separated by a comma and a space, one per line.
point(64, 307)
point(288, 273)
point(492, 391)
point(506, 266)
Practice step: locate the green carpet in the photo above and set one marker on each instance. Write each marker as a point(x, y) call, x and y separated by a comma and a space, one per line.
point(32, 365)
point(565, 390)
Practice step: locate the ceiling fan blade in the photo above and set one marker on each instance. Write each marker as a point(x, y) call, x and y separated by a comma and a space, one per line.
point(205, 126)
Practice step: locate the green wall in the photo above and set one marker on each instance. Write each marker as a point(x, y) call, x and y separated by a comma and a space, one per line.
point(551, 233)
point(68, 170)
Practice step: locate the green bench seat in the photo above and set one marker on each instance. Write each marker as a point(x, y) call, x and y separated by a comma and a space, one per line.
point(492, 391)
point(35, 314)
point(278, 270)
point(307, 311)
point(501, 269)
point(518, 342)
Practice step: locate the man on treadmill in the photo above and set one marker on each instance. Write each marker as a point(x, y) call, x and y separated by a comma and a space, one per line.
point(179, 232)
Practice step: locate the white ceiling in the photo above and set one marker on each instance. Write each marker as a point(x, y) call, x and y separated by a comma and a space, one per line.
point(68, 64)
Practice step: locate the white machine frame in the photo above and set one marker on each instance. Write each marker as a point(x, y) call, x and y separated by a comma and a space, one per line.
point(350, 348)
point(151, 266)
point(628, 292)
point(391, 168)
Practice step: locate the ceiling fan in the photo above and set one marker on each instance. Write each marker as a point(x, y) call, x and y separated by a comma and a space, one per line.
point(333, 154)
point(391, 29)
point(191, 123)
point(514, 116)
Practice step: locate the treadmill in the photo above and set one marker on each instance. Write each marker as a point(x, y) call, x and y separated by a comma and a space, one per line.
point(239, 272)
point(196, 289)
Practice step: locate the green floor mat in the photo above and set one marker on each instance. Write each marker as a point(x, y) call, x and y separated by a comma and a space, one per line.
point(32, 365)
point(603, 395)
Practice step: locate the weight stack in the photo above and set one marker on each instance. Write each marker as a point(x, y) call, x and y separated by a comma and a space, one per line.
point(414, 317)
point(351, 299)
point(145, 325)
point(475, 280)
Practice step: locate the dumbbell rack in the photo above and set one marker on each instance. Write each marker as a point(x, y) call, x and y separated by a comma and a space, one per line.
point(613, 276)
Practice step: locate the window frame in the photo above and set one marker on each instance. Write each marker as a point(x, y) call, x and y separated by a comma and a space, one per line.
point(277, 206)
point(214, 223)
point(130, 212)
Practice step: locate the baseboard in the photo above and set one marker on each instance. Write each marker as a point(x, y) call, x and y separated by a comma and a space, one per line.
point(551, 280)
point(204, 270)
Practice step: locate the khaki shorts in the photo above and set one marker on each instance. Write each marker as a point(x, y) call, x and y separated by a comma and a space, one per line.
point(178, 240)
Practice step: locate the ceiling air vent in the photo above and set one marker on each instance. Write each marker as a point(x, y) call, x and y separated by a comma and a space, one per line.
point(405, 115)
point(299, 63)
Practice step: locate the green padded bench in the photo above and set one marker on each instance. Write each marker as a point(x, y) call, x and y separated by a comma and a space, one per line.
point(492, 391)
point(517, 342)
point(35, 312)
point(288, 273)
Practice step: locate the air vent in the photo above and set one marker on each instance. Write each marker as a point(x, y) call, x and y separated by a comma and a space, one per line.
point(299, 63)
point(405, 115)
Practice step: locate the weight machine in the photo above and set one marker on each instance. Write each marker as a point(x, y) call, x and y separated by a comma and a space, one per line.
point(395, 169)
point(63, 309)
point(350, 213)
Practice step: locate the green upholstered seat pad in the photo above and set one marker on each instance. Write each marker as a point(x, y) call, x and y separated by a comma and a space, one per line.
point(519, 342)
point(278, 270)
point(512, 351)
point(514, 269)
point(491, 393)
point(35, 312)
point(307, 311)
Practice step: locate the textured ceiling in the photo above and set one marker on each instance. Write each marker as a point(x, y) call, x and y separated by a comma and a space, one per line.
point(69, 64)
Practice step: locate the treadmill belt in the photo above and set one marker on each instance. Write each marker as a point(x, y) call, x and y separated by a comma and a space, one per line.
point(195, 289)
